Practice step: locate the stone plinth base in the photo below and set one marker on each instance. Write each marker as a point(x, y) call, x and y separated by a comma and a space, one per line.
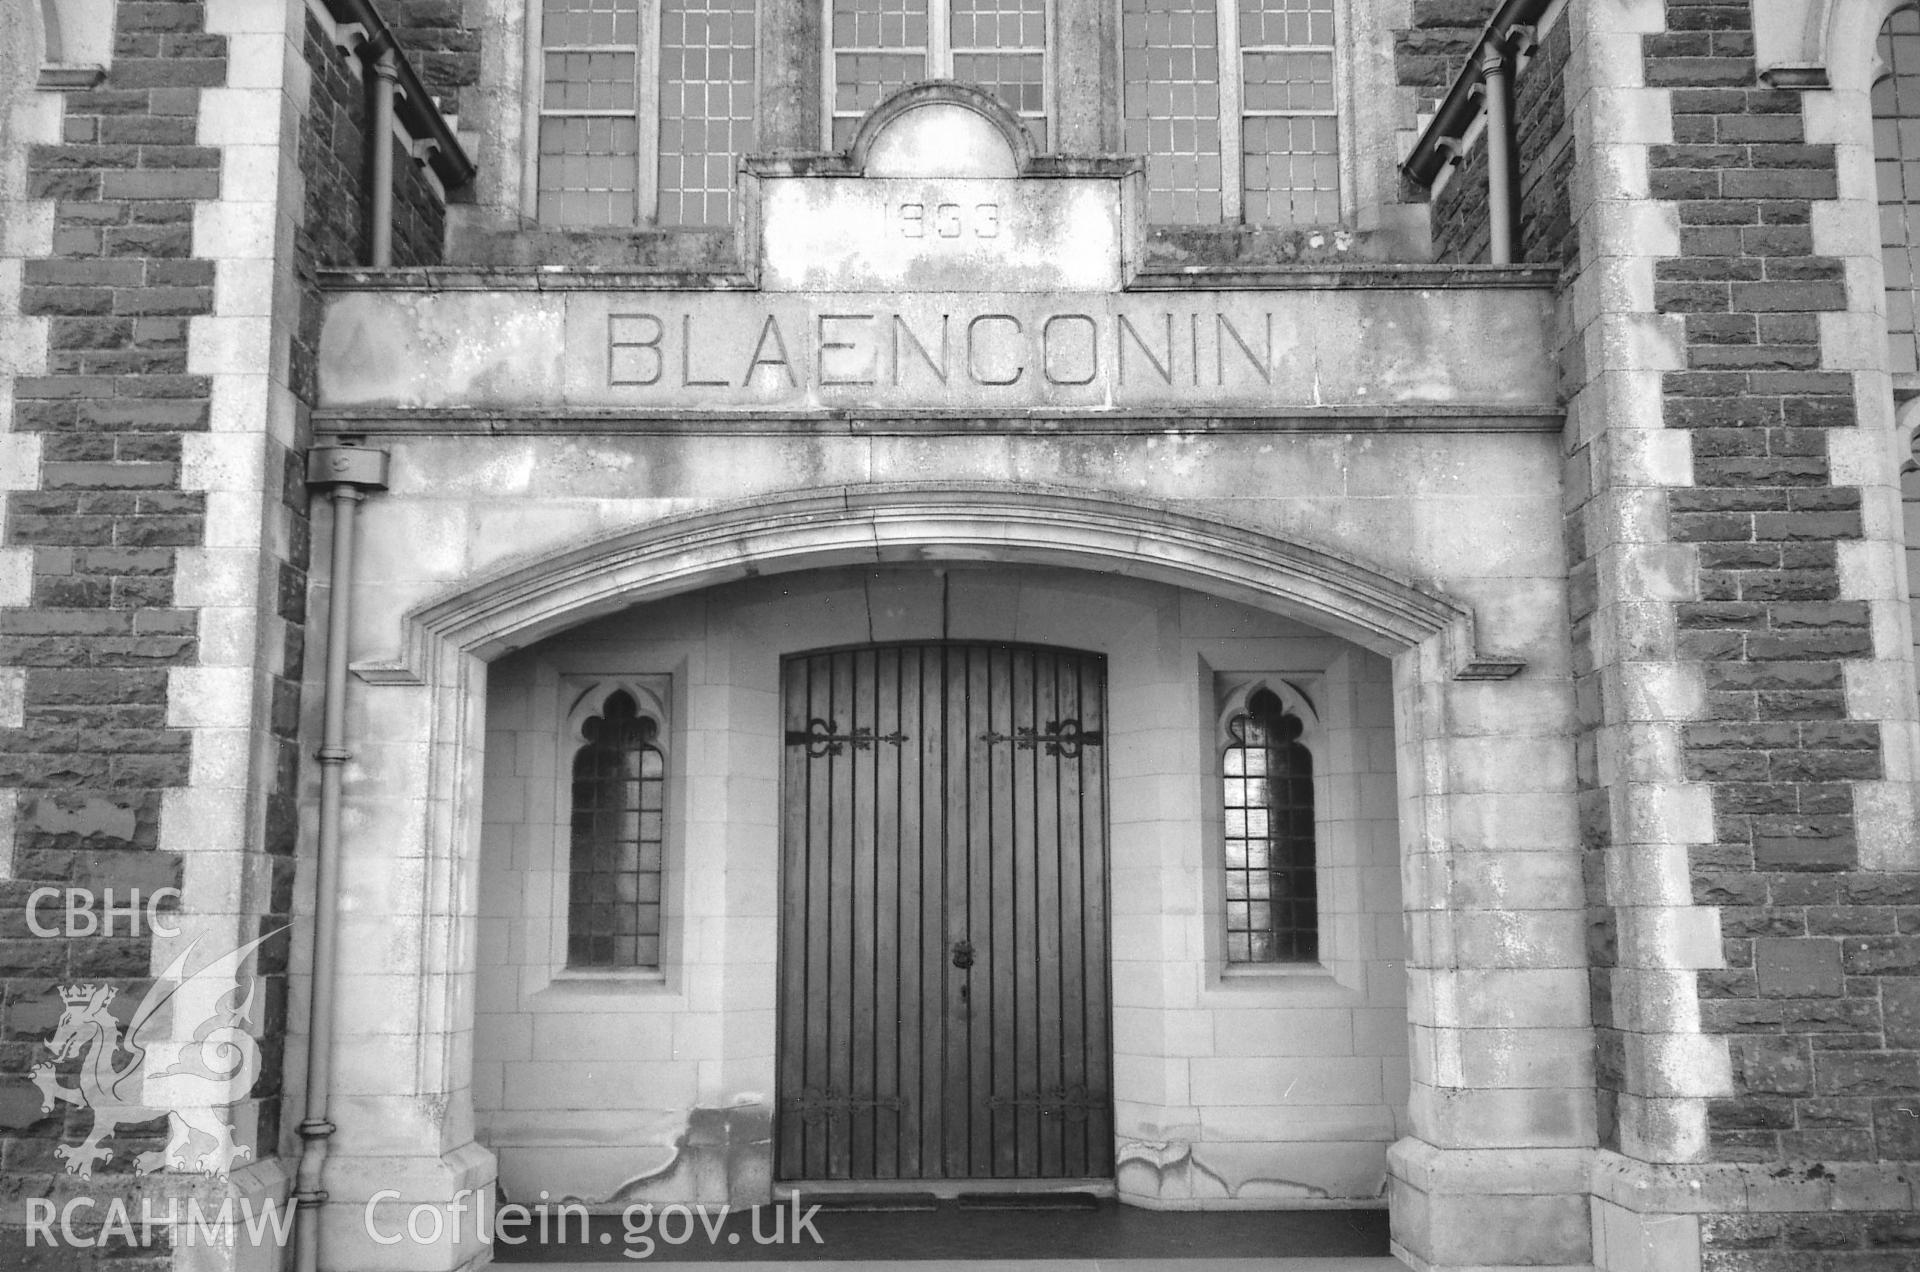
point(409, 1214)
point(1674, 1218)
point(1485, 1209)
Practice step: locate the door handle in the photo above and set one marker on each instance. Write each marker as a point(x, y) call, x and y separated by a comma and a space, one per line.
point(963, 954)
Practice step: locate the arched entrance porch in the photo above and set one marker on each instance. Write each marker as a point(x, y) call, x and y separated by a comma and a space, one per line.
point(1491, 886)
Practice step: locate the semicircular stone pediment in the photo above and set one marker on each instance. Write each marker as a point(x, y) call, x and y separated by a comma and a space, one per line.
point(942, 130)
point(941, 139)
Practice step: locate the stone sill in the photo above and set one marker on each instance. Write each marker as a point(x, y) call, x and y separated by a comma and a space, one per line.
point(532, 278)
point(540, 278)
point(59, 77)
point(577, 421)
point(1753, 1187)
point(1360, 275)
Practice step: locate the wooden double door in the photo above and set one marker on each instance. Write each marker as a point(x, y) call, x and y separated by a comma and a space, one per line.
point(943, 931)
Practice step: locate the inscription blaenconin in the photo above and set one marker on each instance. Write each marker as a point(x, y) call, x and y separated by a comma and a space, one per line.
point(658, 352)
point(936, 353)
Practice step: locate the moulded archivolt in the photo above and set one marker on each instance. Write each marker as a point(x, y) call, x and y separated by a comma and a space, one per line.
point(518, 604)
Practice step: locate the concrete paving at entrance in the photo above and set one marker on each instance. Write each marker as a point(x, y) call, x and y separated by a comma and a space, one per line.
point(939, 1235)
point(1384, 1264)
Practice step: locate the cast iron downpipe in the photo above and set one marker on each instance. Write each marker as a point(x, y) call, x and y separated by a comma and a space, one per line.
point(386, 73)
point(1493, 83)
point(349, 473)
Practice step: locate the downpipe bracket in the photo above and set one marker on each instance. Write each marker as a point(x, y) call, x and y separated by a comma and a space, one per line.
point(360, 466)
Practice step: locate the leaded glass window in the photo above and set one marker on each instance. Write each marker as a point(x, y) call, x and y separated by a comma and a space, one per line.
point(645, 109)
point(1896, 156)
point(618, 839)
point(1896, 153)
point(1267, 802)
point(881, 46)
point(1251, 136)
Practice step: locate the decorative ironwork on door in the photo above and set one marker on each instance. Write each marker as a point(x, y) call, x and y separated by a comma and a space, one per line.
point(943, 947)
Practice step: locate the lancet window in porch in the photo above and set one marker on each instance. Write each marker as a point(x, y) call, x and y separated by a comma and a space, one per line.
point(619, 802)
point(1272, 907)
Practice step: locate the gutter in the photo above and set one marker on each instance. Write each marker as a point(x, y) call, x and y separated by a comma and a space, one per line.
point(416, 107)
point(1439, 144)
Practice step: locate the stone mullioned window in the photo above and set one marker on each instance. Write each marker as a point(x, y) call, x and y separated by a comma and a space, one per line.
point(645, 108)
point(881, 46)
point(1234, 103)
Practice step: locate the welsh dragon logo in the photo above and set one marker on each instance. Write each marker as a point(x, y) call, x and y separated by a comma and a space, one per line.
point(191, 1083)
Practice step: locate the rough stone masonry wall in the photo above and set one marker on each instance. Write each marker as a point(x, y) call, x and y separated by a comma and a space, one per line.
point(1819, 986)
point(445, 50)
point(149, 525)
point(91, 753)
point(1818, 998)
point(1427, 56)
point(1431, 50)
point(1461, 231)
point(1544, 149)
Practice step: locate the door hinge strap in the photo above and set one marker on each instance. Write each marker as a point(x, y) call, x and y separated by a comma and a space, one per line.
point(1061, 737)
point(822, 737)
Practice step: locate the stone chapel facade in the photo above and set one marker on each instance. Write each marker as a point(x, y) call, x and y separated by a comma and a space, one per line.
point(1286, 603)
